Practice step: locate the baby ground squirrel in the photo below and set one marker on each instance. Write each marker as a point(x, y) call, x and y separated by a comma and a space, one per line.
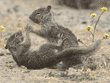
point(45, 56)
point(50, 30)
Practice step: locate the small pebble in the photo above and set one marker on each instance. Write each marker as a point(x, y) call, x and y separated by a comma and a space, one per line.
point(1, 53)
point(84, 22)
point(72, 70)
point(9, 11)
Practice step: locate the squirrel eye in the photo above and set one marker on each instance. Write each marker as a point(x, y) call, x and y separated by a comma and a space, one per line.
point(38, 13)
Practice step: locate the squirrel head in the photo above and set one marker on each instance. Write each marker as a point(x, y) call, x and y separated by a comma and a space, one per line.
point(41, 15)
point(14, 39)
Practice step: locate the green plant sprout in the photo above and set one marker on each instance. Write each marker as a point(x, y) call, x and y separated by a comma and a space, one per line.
point(88, 28)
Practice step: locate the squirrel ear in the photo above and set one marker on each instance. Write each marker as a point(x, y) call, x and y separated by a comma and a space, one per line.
point(48, 7)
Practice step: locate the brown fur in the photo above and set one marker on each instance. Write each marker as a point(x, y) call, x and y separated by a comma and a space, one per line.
point(46, 55)
point(50, 30)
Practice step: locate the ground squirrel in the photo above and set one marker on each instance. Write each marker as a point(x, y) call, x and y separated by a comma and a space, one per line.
point(45, 56)
point(50, 30)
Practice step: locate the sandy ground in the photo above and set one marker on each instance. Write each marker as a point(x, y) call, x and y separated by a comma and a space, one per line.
point(12, 10)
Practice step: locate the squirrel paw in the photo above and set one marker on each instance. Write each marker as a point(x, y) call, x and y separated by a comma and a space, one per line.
point(60, 39)
point(28, 28)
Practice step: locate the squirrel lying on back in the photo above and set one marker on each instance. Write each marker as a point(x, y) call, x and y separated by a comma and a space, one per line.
point(46, 55)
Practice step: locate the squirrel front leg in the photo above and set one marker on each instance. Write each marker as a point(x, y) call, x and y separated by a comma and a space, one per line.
point(24, 47)
point(42, 32)
point(21, 48)
point(28, 40)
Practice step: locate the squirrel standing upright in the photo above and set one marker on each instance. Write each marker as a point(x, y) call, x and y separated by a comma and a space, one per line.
point(50, 30)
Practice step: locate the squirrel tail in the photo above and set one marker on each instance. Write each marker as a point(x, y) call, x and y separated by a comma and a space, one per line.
point(81, 51)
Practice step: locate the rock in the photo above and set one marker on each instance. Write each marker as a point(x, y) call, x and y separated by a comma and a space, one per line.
point(9, 11)
point(1, 53)
point(8, 52)
point(72, 70)
point(84, 22)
